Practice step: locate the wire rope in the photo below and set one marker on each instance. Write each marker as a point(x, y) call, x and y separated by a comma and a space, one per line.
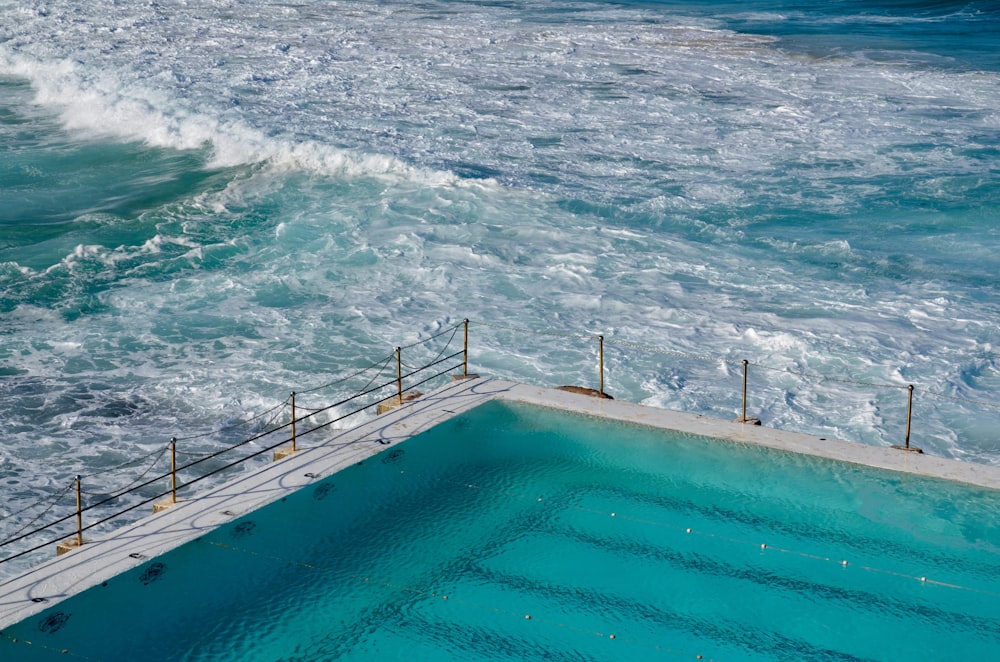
point(346, 378)
point(40, 515)
point(127, 488)
point(453, 329)
point(32, 505)
point(515, 329)
point(121, 467)
point(234, 425)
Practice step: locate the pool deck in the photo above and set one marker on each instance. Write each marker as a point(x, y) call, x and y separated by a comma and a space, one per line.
point(46, 584)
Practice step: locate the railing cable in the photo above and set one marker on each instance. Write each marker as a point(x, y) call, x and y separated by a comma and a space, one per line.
point(454, 332)
point(124, 465)
point(127, 488)
point(346, 378)
point(34, 505)
point(436, 335)
point(137, 485)
point(42, 514)
point(515, 329)
point(234, 426)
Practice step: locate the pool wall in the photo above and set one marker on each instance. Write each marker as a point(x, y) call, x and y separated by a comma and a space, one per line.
point(98, 560)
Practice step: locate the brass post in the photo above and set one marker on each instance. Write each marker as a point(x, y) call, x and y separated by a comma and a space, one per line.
point(173, 470)
point(743, 418)
point(465, 359)
point(909, 411)
point(600, 352)
point(79, 514)
point(399, 375)
point(293, 421)
point(909, 417)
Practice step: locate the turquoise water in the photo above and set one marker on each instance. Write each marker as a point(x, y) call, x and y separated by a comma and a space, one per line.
point(592, 528)
point(206, 204)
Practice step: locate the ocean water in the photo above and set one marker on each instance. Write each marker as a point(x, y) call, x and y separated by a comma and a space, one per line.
point(207, 204)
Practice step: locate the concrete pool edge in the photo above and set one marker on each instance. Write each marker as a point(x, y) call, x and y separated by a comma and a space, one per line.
point(878, 457)
point(50, 582)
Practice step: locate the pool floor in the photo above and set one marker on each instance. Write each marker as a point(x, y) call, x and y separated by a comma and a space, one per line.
point(516, 532)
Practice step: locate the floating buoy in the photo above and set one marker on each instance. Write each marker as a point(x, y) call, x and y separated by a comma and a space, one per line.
point(689, 530)
point(527, 617)
point(612, 636)
point(923, 579)
point(844, 563)
point(444, 597)
point(612, 514)
point(763, 546)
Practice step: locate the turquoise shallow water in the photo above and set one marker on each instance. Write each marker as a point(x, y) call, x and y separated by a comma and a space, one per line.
point(205, 205)
point(678, 546)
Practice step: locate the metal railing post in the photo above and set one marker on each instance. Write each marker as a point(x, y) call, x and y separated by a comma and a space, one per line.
point(293, 421)
point(79, 514)
point(600, 352)
point(399, 375)
point(173, 470)
point(909, 412)
point(465, 359)
point(743, 417)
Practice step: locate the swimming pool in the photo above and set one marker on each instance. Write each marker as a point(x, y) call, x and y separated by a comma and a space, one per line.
point(519, 532)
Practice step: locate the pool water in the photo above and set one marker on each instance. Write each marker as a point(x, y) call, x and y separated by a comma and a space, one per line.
point(516, 532)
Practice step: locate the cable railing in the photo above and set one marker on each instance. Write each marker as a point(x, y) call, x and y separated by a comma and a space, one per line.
point(280, 429)
point(280, 439)
point(780, 404)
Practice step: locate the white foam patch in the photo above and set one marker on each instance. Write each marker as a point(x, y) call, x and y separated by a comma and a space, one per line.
point(102, 106)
